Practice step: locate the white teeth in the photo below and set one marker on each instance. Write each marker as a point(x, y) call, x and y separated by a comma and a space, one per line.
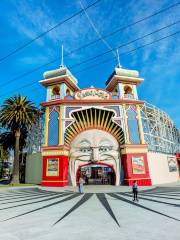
point(74, 166)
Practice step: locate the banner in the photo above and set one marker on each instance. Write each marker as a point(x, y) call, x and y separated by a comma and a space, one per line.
point(52, 167)
point(138, 166)
point(172, 164)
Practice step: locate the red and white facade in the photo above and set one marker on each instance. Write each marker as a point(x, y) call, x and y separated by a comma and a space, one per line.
point(93, 127)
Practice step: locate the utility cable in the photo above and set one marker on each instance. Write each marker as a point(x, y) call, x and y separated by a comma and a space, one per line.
point(46, 64)
point(47, 31)
point(96, 30)
point(123, 45)
point(106, 36)
point(124, 53)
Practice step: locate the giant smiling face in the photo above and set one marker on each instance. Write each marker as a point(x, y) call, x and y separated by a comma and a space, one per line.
point(94, 146)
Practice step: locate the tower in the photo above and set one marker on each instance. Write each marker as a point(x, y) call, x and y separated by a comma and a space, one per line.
point(60, 85)
point(123, 85)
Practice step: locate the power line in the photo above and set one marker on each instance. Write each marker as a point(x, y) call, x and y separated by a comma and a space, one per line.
point(123, 45)
point(71, 52)
point(128, 52)
point(89, 44)
point(95, 29)
point(124, 53)
point(47, 31)
point(142, 19)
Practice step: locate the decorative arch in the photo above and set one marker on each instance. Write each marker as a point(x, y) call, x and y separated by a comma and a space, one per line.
point(55, 92)
point(128, 91)
point(93, 118)
point(69, 94)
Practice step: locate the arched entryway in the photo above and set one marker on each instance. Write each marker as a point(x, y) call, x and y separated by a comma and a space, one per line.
point(94, 148)
point(94, 137)
point(96, 174)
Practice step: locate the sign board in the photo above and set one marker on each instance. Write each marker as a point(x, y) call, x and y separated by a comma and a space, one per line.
point(52, 167)
point(92, 94)
point(172, 164)
point(138, 166)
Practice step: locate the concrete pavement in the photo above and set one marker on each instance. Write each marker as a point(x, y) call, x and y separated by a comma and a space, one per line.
point(103, 212)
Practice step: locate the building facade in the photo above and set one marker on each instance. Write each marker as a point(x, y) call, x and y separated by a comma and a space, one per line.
point(106, 135)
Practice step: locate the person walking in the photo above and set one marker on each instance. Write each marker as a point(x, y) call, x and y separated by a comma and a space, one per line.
point(81, 182)
point(135, 191)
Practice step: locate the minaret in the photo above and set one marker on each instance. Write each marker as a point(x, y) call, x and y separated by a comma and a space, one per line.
point(122, 84)
point(59, 82)
point(60, 85)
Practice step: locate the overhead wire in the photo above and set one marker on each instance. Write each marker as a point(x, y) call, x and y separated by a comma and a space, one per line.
point(125, 44)
point(124, 53)
point(47, 31)
point(96, 30)
point(89, 44)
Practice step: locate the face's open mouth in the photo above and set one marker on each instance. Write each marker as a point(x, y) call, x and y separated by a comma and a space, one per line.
point(77, 164)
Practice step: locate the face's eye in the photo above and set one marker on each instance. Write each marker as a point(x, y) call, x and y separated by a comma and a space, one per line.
point(85, 150)
point(105, 148)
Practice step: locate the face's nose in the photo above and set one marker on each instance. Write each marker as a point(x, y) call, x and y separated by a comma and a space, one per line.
point(95, 154)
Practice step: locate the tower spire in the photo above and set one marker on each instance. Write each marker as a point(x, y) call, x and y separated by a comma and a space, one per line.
point(62, 56)
point(118, 59)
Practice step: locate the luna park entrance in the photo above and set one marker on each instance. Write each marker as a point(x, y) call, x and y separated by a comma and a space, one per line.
point(97, 174)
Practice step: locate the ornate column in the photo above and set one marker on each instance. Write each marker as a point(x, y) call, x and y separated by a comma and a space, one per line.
point(141, 134)
point(46, 127)
point(60, 124)
point(126, 124)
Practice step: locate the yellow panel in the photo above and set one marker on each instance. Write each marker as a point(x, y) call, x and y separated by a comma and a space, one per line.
point(102, 121)
point(46, 126)
point(88, 122)
point(140, 128)
point(126, 124)
point(84, 121)
point(60, 124)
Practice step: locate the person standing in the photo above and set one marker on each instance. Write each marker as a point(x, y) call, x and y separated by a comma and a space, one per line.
point(81, 182)
point(135, 190)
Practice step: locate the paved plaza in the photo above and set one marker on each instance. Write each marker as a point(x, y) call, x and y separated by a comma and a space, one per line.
point(103, 212)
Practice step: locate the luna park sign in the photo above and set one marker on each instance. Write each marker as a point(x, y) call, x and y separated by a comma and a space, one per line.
point(92, 93)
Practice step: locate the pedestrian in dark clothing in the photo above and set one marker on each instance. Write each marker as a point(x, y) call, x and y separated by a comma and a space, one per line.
point(135, 191)
point(81, 182)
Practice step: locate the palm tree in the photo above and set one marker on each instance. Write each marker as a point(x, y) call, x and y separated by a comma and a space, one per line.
point(16, 114)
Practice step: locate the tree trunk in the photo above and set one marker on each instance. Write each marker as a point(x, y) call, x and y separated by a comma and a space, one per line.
point(15, 177)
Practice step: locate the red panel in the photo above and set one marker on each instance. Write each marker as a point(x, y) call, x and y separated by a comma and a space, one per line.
point(129, 177)
point(62, 178)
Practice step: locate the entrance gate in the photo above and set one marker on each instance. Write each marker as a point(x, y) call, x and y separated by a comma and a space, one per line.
point(97, 174)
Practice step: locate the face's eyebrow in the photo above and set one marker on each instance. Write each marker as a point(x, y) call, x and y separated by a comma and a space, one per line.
point(105, 142)
point(84, 143)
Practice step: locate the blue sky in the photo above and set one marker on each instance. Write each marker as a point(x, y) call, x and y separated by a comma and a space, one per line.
point(158, 64)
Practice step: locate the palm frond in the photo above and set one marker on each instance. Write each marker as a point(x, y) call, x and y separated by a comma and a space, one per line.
point(18, 111)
